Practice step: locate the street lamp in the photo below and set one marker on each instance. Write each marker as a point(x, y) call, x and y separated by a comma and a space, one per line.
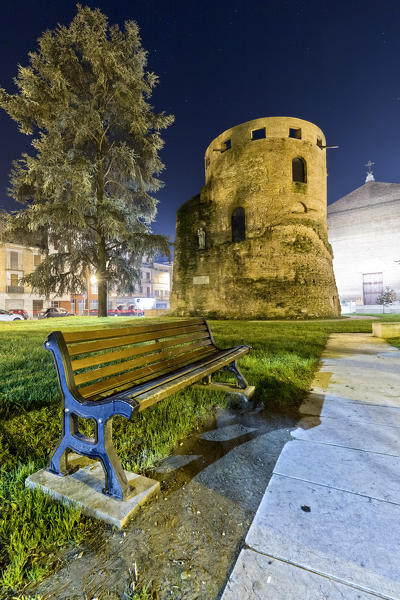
point(93, 281)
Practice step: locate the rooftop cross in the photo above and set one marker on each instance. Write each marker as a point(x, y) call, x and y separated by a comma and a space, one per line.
point(370, 175)
point(369, 165)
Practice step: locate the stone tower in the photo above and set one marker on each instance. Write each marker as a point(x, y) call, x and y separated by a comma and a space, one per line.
point(254, 243)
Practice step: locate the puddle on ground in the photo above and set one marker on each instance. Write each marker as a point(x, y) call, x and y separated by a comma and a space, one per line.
point(322, 379)
point(184, 543)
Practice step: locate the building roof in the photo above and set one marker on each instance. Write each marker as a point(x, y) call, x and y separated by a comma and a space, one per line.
point(369, 194)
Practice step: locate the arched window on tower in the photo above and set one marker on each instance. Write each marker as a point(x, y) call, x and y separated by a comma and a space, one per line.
point(299, 170)
point(238, 225)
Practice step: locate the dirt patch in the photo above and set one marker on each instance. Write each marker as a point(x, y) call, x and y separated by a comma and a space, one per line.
point(185, 542)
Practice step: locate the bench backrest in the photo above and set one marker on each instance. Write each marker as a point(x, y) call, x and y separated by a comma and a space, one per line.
point(103, 360)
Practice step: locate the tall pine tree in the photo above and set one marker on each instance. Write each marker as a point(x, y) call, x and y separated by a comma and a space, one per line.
point(85, 100)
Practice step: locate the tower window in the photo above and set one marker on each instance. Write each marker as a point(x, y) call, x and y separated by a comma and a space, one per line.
point(258, 134)
point(319, 142)
point(299, 170)
point(295, 133)
point(227, 144)
point(238, 225)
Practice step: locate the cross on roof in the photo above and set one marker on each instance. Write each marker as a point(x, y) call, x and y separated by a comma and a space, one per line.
point(369, 165)
point(370, 175)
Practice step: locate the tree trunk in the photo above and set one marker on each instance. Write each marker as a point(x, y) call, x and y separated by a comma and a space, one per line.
point(101, 246)
point(101, 278)
point(102, 299)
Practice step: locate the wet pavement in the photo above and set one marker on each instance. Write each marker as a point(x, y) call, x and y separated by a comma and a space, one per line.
point(328, 525)
point(184, 542)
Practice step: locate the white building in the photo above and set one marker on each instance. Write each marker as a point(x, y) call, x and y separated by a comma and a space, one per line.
point(364, 231)
point(153, 290)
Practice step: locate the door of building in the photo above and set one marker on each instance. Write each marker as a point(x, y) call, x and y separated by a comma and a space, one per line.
point(372, 287)
point(37, 306)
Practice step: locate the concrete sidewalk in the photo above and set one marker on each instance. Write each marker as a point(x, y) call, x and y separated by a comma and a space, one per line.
point(328, 526)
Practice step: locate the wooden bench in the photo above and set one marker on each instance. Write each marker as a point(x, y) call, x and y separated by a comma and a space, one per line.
point(121, 371)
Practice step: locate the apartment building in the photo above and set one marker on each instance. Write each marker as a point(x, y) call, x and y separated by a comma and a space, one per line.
point(162, 283)
point(151, 292)
point(17, 260)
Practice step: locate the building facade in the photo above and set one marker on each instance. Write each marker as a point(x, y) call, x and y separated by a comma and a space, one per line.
point(363, 229)
point(151, 292)
point(17, 260)
point(253, 243)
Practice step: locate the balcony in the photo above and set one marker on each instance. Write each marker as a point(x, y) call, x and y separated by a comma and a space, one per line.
point(14, 289)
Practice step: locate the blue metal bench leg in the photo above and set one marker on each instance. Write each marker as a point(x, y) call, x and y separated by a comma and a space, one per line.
point(233, 368)
point(100, 448)
point(116, 481)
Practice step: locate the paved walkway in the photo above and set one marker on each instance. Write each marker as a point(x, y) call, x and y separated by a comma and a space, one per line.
point(328, 526)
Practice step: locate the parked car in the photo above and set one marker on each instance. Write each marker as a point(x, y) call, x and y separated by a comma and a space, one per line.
point(138, 312)
point(6, 315)
point(47, 313)
point(130, 310)
point(19, 311)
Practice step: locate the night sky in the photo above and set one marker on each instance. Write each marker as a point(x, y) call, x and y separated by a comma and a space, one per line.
point(223, 62)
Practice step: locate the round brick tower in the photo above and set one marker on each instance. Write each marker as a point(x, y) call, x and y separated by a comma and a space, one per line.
point(254, 243)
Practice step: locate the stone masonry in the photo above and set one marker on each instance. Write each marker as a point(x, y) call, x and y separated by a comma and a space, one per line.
point(283, 266)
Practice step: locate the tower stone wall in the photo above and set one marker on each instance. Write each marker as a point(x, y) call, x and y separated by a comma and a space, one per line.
point(283, 266)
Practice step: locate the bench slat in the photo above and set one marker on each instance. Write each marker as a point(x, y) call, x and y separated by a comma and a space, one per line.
point(130, 379)
point(98, 334)
point(115, 342)
point(98, 359)
point(174, 384)
point(153, 359)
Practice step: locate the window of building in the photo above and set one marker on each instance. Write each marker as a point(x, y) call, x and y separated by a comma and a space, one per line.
point(147, 276)
point(227, 145)
point(295, 133)
point(238, 225)
point(14, 280)
point(319, 142)
point(13, 259)
point(258, 134)
point(207, 163)
point(93, 305)
point(148, 292)
point(13, 303)
point(299, 170)
point(157, 293)
point(55, 304)
point(36, 260)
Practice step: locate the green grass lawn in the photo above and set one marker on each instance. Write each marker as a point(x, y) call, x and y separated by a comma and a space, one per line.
point(32, 527)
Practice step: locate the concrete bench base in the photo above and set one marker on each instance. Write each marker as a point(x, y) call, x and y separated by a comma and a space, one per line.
point(386, 330)
point(83, 489)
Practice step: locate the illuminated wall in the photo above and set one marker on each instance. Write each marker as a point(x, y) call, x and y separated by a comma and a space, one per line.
point(254, 242)
point(363, 229)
